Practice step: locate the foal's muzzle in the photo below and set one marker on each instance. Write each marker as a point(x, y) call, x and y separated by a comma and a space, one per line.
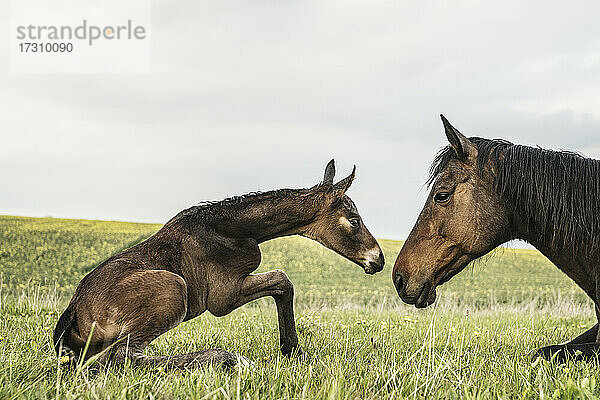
point(373, 266)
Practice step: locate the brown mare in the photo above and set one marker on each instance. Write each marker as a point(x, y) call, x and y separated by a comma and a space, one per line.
point(203, 259)
point(486, 192)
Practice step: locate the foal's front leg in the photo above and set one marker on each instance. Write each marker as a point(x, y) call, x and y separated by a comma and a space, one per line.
point(278, 285)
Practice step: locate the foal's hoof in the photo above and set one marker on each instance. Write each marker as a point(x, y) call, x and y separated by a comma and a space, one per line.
point(244, 363)
point(291, 351)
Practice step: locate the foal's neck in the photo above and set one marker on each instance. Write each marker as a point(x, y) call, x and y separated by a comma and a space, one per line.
point(270, 215)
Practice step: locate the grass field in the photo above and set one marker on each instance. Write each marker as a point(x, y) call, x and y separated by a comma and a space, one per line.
point(361, 340)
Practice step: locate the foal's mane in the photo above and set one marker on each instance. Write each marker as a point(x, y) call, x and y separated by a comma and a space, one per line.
point(207, 210)
point(557, 192)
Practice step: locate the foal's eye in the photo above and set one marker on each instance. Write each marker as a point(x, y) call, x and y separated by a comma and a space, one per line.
point(442, 197)
point(354, 222)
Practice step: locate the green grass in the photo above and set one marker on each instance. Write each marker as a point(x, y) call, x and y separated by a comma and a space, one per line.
point(361, 340)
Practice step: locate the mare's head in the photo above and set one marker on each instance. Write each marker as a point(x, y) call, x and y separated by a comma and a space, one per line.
point(339, 227)
point(463, 219)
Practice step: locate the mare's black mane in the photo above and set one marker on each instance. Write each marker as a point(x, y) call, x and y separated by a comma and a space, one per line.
point(557, 192)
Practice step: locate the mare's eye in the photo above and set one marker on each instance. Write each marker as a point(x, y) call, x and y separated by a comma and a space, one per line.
point(354, 222)
point(442, 197)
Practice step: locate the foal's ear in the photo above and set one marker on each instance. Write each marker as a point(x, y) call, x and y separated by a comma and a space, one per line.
point(465, 150)
point(329, 174)
point(345, 183)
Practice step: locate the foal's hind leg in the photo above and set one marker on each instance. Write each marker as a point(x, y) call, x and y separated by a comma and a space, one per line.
point(276, 284)
point(146, 304)
point(178, 361)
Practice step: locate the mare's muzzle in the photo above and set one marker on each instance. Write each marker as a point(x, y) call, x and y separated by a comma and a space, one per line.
point(421, 294)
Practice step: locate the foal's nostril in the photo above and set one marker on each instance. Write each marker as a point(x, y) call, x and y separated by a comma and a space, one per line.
point(381, 260)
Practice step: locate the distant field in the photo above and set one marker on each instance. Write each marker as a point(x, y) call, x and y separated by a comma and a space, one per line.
point(361, 340)
point(57, 253)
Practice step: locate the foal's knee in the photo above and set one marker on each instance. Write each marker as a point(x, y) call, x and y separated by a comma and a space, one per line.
point(284, 284)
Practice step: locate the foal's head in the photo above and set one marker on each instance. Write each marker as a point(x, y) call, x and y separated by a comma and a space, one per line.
point(339, 227)
point(463, 218)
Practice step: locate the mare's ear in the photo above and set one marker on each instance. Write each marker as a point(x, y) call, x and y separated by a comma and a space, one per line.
point(329, 174)
point(465, 150)
point(345, 183)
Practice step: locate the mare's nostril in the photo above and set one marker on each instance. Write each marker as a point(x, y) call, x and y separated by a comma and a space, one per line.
point(423, 295)
point(399, 283)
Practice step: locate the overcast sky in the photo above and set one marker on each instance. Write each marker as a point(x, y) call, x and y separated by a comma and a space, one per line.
point(252, 95)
